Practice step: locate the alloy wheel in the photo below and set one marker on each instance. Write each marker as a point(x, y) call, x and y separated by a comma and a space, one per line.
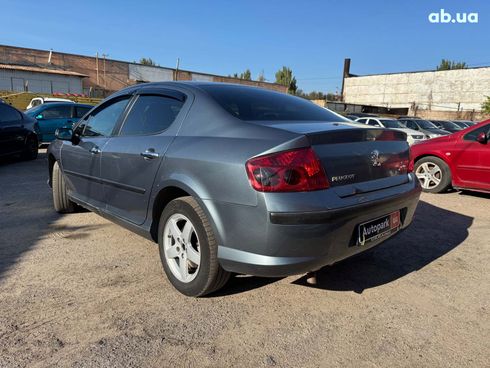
point(429, 175)
point(181, 247)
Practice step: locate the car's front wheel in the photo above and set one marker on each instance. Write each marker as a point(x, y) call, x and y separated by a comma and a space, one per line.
point(61, 202)
point(188, 249)
point(434, 174)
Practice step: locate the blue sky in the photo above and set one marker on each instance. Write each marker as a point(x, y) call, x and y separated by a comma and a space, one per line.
point(223, 37)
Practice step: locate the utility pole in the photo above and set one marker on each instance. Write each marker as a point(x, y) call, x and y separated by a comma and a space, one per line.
point(97, 66)
point(105, 83)
point(177, 70)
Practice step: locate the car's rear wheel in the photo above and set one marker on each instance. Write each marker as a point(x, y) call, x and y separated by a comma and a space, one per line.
point(30, 149)
point(434, 174)
point(61, 202)
point(188, 249)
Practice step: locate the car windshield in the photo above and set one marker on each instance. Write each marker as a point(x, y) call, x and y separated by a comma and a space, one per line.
point(392, 124)
point(33, 111)
point(424, 124)
point(255, 104)
point(451, 125)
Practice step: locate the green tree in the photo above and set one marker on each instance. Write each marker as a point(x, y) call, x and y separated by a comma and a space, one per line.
point(285, 77)
point(246, 75)
point(450, 65)
point(149, 61)
point(485, 107)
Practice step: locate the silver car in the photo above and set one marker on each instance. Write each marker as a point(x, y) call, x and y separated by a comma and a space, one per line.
point(234, 179)
point(413, 136)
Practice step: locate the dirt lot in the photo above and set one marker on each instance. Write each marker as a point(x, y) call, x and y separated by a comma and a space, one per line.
point(77, 290)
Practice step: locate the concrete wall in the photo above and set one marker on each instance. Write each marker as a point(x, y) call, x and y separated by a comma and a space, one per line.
point(20, 81)
point(439, 91)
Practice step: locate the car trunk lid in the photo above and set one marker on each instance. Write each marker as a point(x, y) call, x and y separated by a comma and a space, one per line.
point(356, 158)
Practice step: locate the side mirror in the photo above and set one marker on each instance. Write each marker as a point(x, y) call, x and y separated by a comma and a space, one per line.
point(64, 134)
point(482, 138)
point(39, 117)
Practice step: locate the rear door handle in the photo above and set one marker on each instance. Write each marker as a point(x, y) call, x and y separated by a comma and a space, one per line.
point(149, 154)
point(95, 150)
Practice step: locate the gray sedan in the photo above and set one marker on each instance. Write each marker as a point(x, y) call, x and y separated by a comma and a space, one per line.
point(234, 179)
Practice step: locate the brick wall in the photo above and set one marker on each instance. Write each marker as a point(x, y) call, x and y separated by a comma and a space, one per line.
point(116, 74)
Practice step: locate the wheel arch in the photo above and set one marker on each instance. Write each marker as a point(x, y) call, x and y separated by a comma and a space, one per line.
point(441, 157)
point(174, 190)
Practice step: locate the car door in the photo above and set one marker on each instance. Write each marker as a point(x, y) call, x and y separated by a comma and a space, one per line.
point(81, 160)
point(12, 133)
point(472, 159)
point(52, 118)
point(131, 159)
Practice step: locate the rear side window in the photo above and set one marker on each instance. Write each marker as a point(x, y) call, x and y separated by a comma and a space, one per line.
point(8, 114)
point(103, 121)
point(57, 112)
point(254, 104)
point(80, 111)
point(151, 114)
point(373, 122)
point(471, 136)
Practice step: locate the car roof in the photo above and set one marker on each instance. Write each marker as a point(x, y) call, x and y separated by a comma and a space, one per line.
point(63, 103)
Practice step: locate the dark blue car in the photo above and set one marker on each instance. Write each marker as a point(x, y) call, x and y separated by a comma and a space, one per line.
point(51, 116)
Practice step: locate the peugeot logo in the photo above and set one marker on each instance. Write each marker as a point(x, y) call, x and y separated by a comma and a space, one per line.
point(374, 157)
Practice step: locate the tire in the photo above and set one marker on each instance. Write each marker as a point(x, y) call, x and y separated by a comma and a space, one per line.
point(30, 149)
point(61, 202)
point(434, 174)
point(189, 250)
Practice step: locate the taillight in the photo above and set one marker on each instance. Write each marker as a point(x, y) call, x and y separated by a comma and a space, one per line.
point(297, 170)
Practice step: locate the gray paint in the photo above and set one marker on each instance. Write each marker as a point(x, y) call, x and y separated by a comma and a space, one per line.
point(204, 153)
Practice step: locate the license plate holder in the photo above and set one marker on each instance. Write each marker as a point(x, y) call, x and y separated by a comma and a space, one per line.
point(378, 228)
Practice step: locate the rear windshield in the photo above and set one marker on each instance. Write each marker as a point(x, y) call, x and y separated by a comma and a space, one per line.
point(424, 124)
point(392, 124)
point(254, 104)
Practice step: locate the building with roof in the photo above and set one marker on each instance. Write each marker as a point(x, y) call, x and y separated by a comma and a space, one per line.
point(99, 76)
point(21, 78)
point(457, 93)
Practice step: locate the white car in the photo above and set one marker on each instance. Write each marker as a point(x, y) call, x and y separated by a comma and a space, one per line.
point(413, 136)
point(36, 101)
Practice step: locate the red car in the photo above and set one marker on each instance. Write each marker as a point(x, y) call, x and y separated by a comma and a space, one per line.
point(460, 160)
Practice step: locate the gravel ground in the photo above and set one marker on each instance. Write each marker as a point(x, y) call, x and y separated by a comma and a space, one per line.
point(79, 291)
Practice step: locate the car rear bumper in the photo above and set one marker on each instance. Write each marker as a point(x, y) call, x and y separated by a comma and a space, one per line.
point(299, 242)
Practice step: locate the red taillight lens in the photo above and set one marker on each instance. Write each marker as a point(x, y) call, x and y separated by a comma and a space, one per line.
point(289, 171)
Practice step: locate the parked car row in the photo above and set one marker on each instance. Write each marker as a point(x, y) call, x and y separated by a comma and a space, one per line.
point(413, 136)
point(146, 158)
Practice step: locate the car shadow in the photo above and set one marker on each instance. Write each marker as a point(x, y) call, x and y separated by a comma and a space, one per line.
point(433, 233)
point(239, 284)
point(26, 210)
point(468, 193)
